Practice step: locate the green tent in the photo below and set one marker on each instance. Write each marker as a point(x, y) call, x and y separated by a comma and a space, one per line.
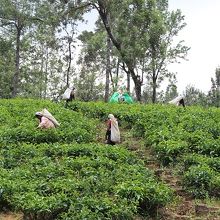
point(118, 98)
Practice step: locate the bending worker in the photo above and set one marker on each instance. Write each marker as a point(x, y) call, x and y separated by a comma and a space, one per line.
point(46, 119)
point(178, 101)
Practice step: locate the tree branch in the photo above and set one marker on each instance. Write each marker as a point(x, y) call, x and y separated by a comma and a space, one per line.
point(104, 16)
point(7, 21)
point(75, 8)
point(124, 68)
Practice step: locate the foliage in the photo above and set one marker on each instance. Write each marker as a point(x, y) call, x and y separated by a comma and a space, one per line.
point(214, 93)
point(87, 87)
point(189, 160)
point(201, 181)
point(162, 50)
point(65, 181)
point(39, 44)
point(194, 96)
point(18, 123)
point(168, 151)
point(172, 132)
point(47, 175)
point(91, 61)
point(142, 33)
point(6, 67)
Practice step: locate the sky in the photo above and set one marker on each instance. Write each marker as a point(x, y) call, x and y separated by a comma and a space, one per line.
point(201, 34)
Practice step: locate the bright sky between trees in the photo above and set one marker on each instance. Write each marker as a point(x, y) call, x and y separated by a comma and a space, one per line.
point(202, 34)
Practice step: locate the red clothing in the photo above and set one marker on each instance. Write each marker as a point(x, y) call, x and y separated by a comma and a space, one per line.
point(108, 123)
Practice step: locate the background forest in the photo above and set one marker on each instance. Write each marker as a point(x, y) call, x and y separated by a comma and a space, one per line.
point(42, 51)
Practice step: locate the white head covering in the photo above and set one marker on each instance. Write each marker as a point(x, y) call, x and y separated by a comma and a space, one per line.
point(48, 115)
point(111, 116)
point(38, 114)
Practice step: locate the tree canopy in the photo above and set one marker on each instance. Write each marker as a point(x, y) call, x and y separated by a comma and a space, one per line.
point(133, 41)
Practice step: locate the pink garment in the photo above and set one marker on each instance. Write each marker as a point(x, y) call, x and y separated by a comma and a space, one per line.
point(46, 123)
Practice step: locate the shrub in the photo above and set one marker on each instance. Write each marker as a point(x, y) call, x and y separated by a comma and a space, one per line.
point(189, 160)
point(55, 181)
point(168, 151)
point(199, 180)
point(20, 125)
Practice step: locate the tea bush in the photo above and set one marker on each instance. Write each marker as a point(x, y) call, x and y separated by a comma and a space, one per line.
point(18, 123)
point(189, 160)
point(52, 181)
point(51, 174)
point(172, 132)
point(201, 181)
point(168, 151)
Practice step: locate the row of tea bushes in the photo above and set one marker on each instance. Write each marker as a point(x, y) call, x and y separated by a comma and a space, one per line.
point(172, 132)
point(63, 174)
point(77, 181)
point(197, 129)
point(125, 113)
point(202, 181)
point(18, 123)
point(201, 174)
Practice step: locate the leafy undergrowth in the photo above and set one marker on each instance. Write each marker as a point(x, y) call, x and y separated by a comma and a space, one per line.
point(63, 173)
point(184, 205)
point(176, 135)
point(18, 123)
point(78, 181)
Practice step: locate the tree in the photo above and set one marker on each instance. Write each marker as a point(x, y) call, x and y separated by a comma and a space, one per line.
point(214, 93)
point(171, 90)
point(126, 23)
point(194, 96)
point(69, 39)
point(162, 50)
point(15, 17)
point(131, 23)
point(40, 58)
point(67, 30)
point(6, 66)
point(97, 53)
point(88, 87)
point(138, 29)
point(108, 68)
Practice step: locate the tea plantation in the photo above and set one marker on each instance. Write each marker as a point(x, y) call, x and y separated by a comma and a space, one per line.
point(186, 138)
point(65, 174)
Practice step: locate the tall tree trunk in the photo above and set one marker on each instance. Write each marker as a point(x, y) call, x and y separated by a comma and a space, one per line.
point(46, 72)
point(42, 72)
point(117, 74)
point(69, 63)
point(154, 95)
point(154, 76)
point(218, 87)
point(137, 81)
point(115, 84)
point(17, 63)
point(137, 86)
point(108, 69)
point(128, 82)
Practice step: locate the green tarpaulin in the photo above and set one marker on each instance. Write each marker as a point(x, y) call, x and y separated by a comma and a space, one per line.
point(121, 98)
